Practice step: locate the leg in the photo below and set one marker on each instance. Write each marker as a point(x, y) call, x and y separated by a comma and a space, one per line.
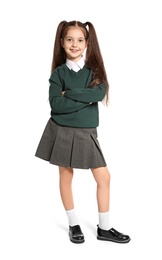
point(104, 230)
point(66, 176)
point(102, 177)
point(75, 232)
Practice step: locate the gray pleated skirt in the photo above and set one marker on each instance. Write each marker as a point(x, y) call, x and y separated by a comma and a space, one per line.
point(70, 147)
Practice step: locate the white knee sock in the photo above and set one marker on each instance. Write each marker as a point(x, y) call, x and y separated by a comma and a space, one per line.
point(72, 217)
point(104, 222)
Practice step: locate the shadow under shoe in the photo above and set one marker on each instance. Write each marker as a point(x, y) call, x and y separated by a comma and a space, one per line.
point(112, 235)
point(76, 234)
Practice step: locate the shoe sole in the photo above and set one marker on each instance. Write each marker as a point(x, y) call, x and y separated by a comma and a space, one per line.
point(77, 242)
point(112, 240)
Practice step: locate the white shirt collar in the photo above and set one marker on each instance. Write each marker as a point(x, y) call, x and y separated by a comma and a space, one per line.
point(71, 64)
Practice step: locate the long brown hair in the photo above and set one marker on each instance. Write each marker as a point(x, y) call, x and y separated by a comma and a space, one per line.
point(93, 58)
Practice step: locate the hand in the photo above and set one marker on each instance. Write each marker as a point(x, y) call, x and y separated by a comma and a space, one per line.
point(63, 92)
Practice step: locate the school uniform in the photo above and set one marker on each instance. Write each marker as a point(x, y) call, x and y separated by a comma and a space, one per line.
point(70, 136)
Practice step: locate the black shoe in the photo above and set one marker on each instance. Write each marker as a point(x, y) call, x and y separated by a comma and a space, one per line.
point(75, 234)
point(112, 235)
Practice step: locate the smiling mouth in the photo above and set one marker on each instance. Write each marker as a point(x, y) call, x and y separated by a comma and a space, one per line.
point(74, 50)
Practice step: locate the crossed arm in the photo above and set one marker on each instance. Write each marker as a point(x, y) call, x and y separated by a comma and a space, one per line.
point(72, 100)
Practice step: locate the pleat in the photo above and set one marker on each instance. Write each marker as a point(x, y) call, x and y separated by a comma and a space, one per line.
point(70, 147)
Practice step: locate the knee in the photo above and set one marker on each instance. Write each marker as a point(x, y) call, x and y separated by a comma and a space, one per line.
point(102, 176)
point(66, 174)
point(65, 169)
point(107, 178)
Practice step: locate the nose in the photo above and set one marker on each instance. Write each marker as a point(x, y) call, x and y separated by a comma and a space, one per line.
point(74, 43)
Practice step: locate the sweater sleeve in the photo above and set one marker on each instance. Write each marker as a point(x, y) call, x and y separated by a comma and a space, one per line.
point(61, 104)
point(94, 94)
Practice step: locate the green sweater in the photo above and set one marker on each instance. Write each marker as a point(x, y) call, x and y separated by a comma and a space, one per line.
point(74, 109)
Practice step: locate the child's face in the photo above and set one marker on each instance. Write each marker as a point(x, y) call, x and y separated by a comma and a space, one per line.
point(74, 44)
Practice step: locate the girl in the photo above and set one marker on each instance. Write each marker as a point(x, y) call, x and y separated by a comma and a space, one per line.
point(70, 136)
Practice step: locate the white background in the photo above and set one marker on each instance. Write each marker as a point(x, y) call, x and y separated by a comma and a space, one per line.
point(33, 224)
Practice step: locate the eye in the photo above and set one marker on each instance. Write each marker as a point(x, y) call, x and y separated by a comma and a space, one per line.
point(81, 40)
point(68, 40)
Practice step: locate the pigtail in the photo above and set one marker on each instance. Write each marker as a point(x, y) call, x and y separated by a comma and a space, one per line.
point(58, 51)
point(93, 50)
point(94, 59)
